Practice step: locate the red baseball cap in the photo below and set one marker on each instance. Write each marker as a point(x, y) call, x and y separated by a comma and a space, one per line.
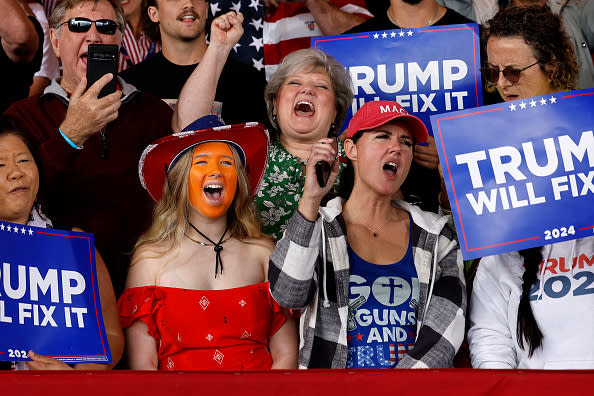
point(380, 112)
point(250, 140)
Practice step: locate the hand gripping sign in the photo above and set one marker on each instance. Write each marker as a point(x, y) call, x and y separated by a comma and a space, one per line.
point(49, 297)
point(428, 70)
point(519, 174)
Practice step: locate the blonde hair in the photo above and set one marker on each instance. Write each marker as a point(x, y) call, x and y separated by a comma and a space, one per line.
point(171, 214)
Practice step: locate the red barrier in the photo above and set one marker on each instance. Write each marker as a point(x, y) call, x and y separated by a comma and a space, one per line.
point(455, 382)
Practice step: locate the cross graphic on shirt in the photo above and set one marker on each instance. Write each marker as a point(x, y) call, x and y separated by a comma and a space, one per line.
point(392, 286)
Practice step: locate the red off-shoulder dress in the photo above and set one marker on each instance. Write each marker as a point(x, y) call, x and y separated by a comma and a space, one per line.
point(206, 329)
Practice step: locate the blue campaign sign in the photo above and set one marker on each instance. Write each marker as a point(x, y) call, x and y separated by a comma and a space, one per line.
point(49, 297)
point(428, 70)
point(519, 174)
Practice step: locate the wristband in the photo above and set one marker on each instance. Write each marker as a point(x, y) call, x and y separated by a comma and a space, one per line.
point(70, 142)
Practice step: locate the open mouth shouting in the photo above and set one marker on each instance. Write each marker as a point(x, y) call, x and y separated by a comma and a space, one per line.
point(304, 108)
point(390, 168)
point(213, 179)
point(213, 193)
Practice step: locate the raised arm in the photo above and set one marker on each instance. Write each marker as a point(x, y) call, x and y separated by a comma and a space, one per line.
point(17, 33)
point(291, 271)
point(197, 96)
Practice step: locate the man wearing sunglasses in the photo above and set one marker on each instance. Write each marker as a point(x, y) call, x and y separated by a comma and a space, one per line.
point(180, 27)
point(89, 148)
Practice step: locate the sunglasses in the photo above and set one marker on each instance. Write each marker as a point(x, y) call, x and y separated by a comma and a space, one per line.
point(82, 25)
point(512, 75)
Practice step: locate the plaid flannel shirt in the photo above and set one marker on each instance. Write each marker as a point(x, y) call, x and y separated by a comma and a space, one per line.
point(301, 278)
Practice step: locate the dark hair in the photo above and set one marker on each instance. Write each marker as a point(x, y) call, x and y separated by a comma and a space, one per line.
point(543, 32)
point(9, 126)
point(527, 327)
point(149, 27)
point(347, 176)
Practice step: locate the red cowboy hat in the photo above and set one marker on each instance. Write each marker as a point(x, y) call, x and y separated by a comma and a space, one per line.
point(250, 140)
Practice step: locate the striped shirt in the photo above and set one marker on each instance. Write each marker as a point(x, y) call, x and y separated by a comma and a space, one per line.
point(290, 26)
point(134, 51)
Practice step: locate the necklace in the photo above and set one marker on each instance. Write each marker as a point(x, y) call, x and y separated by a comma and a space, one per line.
point(217, 246)
point(429, 22)
point(375, 232)
point(204, 243)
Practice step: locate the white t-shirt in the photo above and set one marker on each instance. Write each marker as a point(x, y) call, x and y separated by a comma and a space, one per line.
point(562, 300)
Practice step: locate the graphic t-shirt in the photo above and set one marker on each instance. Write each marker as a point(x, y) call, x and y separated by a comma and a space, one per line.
point(382, 311)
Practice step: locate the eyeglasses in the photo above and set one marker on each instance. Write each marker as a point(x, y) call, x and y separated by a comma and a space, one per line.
point(82, 25)
point(512, 75)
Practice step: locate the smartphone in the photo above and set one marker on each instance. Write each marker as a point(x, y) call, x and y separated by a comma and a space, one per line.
point(322, 173)
point(102, 59)
point(322, 167)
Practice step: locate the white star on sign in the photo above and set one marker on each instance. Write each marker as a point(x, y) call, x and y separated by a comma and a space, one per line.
point(393, 34)
point(9, 228)
point(533, 103)
point(543, 102)
point(256, 42)
point(255, 4)
point(214, 8)
point(30, 231)
point(553, 99)
point(236, 6)
point(410, 33)
point(15, 229)
point(258, 64)
point(23, 231)
point(512, 107)
point(384, 35)
point(257, 23)
point(236, 46)
point(376, 36)
point(522, 105)
point(2, 227)
point(401, 34)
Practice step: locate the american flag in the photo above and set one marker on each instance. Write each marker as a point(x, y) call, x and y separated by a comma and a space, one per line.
point(249, 49)
point(134, 51)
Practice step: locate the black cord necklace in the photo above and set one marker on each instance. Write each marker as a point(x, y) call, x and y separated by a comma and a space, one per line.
point(217, 247)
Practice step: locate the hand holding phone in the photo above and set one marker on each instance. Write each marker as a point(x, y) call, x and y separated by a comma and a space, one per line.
point(322, 173)
point(102, 59)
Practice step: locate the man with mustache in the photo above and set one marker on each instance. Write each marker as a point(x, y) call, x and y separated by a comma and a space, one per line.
point(181, 28)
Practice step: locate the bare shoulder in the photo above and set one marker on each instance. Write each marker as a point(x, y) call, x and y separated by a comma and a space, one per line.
point(260, 250)
point(146, 265)
point(263, 246)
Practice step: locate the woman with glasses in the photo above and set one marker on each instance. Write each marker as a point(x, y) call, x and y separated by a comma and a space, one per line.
point(528, 54)
point(532, 308)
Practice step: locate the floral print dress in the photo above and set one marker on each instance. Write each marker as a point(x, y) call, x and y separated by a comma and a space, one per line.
point(280, 190)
